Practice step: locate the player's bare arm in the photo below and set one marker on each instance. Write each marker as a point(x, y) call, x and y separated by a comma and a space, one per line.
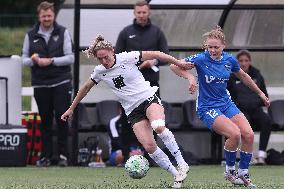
point(189, 65)
point(149, 55)
point(80, 95)
point(148, 63)
point(186, 75)
point(246, 79)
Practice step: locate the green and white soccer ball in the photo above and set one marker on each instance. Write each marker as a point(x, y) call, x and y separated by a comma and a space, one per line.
point(137, 166)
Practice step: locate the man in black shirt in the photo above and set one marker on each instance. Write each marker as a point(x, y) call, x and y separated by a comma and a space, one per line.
point(144, 36)
point(250, 104)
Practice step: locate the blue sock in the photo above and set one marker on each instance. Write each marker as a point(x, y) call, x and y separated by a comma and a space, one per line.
point(245, 158)
point(230, 157)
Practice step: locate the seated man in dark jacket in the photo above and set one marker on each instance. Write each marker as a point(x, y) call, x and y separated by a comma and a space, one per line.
point(122, 140)
point(250, 104)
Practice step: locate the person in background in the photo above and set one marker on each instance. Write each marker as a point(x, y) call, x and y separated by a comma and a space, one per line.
point(142, 35)
point(47, 50)
point(142, 106)
point(123, 142)
point(215, 107)
point(249, 102)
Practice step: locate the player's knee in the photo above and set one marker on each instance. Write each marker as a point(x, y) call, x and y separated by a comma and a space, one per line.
point(150, 147)
point(235, 136)
point(160, 129)
point(248, 137)
point(158, 125)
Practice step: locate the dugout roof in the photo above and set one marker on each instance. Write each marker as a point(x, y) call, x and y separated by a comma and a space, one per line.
point(256, 25)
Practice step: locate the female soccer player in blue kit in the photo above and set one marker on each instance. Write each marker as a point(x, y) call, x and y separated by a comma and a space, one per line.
point(214, 105)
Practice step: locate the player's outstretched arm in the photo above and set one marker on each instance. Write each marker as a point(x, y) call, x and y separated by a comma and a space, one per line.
point(80, 95)
point(186, 75)
point(149, 55)
point(246, 79)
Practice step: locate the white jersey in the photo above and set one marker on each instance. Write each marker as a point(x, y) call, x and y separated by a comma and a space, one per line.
point(125, 80)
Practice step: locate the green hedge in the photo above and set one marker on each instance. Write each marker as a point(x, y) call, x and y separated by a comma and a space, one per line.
point(11, 44)
point(18, 13)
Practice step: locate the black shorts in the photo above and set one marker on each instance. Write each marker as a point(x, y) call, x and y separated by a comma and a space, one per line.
point(139, 113)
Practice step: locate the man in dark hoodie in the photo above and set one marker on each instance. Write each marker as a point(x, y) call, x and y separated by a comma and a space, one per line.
point(250, 104)
point(142, 35)
point(47, 50)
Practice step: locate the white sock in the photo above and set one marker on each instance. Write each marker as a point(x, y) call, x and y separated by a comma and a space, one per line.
point(163, 161)
point(228, 168)
point(170, 142)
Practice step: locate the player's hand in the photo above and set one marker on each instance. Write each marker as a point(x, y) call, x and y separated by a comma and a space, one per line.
point(185, 65)
point(265, 99)
point(192, 85)
point(44, 62)
point(148, 63)
point(67, 115)
point(35, 58)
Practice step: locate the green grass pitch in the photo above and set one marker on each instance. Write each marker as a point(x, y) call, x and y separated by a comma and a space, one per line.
point(200, 177)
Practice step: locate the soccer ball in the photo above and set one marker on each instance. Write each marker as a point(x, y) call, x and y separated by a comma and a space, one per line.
point(137, 166)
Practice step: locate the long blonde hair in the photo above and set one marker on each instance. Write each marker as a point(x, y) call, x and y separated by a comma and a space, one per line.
point(215, 33)
point(98, 44)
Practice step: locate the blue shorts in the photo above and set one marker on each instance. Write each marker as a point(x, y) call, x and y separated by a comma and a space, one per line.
point(209, 115)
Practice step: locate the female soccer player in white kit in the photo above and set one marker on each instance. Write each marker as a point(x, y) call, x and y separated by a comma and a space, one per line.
point(143, 108)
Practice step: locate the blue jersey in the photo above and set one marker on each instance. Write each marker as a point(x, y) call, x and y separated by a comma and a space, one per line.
point(213, 76)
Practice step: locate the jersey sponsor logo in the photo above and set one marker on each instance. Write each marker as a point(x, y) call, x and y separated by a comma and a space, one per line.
point(212, 113)
point(36, 40)
point(118, 82)
point(132, 36)
point(221, 80)
point(209, 79)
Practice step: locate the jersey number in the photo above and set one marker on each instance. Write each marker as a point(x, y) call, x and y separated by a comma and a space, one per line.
point(212, 113)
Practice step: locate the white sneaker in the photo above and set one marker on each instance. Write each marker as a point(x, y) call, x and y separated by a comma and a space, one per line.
point(177, 184)
point(183, 170)
point(182, 174)
point(260, 161)
point(232, 177)
point(247, 181)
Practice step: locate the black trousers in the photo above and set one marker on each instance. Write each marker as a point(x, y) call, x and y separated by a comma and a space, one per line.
point(260, 121)
point(52, 102)
point(126, 137)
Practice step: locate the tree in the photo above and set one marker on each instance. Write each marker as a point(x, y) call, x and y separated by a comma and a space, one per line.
point(14, 13)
